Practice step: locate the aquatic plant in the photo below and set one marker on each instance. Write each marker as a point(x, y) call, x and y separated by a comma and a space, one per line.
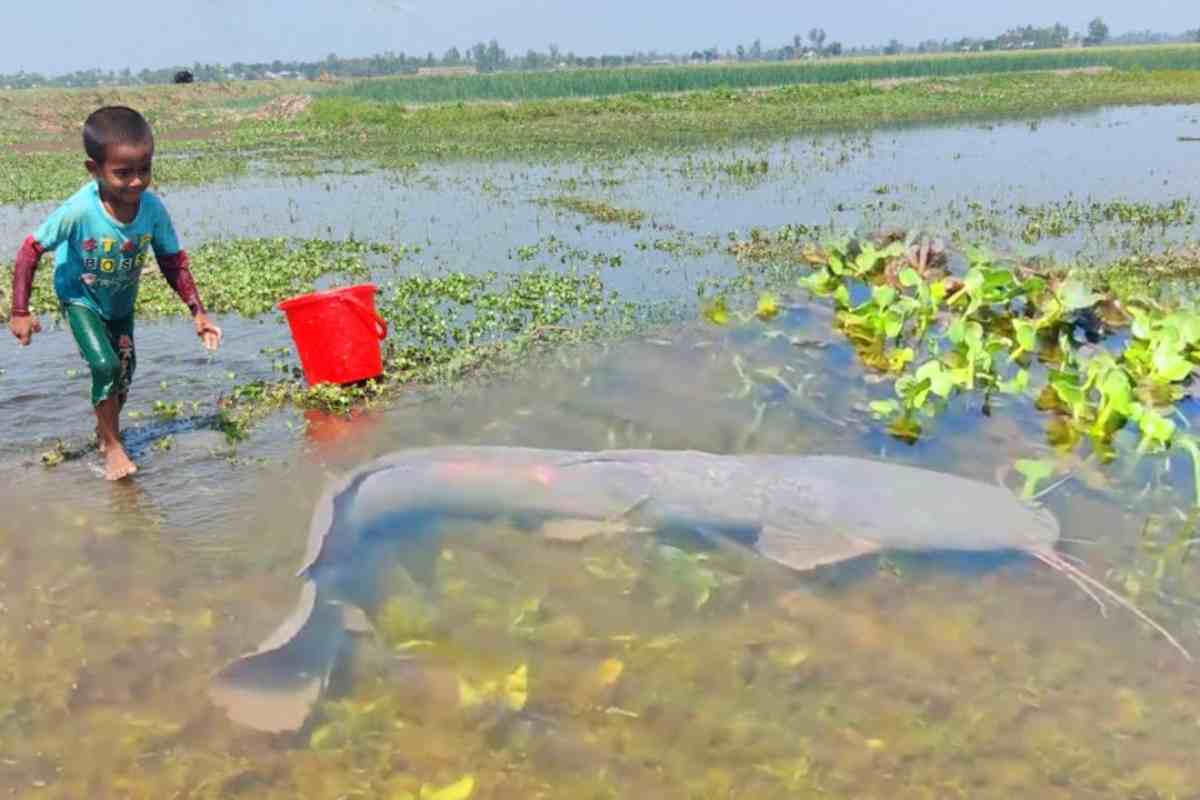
point(599, 211)
point(1004, 329)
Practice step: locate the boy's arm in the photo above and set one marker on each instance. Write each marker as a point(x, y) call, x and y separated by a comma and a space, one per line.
point(175, 265)
point(176, 268)
point(22, 284)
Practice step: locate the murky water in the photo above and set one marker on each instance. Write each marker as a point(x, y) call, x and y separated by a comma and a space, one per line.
point(652, 668)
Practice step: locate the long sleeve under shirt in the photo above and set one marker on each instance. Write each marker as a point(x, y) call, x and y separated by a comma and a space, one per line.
point(98, 260)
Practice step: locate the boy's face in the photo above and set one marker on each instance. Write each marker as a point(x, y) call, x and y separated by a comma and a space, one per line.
point(125, 172)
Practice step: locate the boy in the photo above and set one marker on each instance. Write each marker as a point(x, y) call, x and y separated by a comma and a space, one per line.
point(101, 237)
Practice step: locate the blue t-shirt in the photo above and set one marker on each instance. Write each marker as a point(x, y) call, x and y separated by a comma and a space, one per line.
point(98, 261)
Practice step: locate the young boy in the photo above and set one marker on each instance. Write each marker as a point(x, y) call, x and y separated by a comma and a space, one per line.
point(101, 237)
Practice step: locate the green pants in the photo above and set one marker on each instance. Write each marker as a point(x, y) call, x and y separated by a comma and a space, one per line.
point(107, 347)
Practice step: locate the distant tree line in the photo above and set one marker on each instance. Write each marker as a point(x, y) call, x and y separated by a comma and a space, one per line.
point(491, 57)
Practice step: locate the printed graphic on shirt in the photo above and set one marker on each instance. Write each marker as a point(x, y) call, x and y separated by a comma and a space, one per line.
point(98, 261)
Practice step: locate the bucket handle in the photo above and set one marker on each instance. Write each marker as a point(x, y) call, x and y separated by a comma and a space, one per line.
point(369, 317)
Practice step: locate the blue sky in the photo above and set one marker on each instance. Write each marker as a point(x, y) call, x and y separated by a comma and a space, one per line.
point(54, 36)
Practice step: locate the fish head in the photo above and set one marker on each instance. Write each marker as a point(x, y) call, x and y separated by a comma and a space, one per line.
point(1042, 531)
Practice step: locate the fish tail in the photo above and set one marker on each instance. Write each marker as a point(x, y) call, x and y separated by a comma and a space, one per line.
point(275, 688)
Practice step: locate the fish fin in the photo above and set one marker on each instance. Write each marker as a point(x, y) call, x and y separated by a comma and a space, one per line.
point(275, 688)
point(355, 620)
point(803, 550)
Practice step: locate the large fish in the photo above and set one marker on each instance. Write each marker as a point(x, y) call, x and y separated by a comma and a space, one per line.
point(799, 511)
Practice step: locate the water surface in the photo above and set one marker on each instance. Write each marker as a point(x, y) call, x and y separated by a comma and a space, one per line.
point(654, 668)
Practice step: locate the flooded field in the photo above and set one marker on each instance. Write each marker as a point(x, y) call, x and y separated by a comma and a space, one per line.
point(508, 666)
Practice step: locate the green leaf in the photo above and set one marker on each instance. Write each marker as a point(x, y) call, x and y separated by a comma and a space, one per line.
point(816, 282)
point(1141, 325)
point(973, 281)
point(1017, 385)
point(900, 358)
point(1189, 327)
point(717, 312)
point(768, 306)
point(973, 335)
point(1074, 294)
point(909, 277)
point(882, 409)
point(842, 296)
point(1034, 472)
point(941, 381)
point(837, 264)
point(893, 324)
point(1117, 391)
point(883, 295)
point(1026, 334)
point(937, 292)
point(1171, 367)
point(957, 331)
point(1155, 427)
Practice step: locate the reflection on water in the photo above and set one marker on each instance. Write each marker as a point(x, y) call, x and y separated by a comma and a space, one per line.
point(622, 666)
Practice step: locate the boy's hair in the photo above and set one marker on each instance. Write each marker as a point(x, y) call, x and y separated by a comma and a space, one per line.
point(113, 125)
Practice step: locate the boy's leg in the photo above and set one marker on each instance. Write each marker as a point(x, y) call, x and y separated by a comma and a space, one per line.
point(108, 350)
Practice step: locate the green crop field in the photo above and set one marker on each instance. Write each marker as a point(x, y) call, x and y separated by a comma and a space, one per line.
point(603, 82)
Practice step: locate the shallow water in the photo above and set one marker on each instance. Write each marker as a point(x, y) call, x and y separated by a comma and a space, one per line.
point(654, 668)
point(896, 677)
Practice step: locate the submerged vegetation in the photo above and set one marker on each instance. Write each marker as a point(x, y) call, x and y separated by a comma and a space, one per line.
point(511, 664)
point(600, 211)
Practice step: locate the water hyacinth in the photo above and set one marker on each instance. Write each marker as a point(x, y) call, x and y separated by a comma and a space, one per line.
point(1003, 329)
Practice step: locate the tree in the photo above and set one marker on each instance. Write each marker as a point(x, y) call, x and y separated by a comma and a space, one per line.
point(817, 37)
point(1195, 35)
point(1097, 32)
point(893, 48)
point(452, 57)
point(756, 49)
point(834, 49)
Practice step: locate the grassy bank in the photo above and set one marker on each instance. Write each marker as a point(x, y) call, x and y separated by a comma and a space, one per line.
point(640, 122)
point(210, 135)
point(608, 82)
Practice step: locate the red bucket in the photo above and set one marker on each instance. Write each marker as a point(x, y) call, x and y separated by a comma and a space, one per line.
point(337, 333)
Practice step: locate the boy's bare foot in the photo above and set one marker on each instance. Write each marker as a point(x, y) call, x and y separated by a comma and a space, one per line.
point(117, 464)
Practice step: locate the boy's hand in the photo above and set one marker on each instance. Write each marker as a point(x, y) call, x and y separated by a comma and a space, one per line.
point(209, 333)
point(24, 328)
